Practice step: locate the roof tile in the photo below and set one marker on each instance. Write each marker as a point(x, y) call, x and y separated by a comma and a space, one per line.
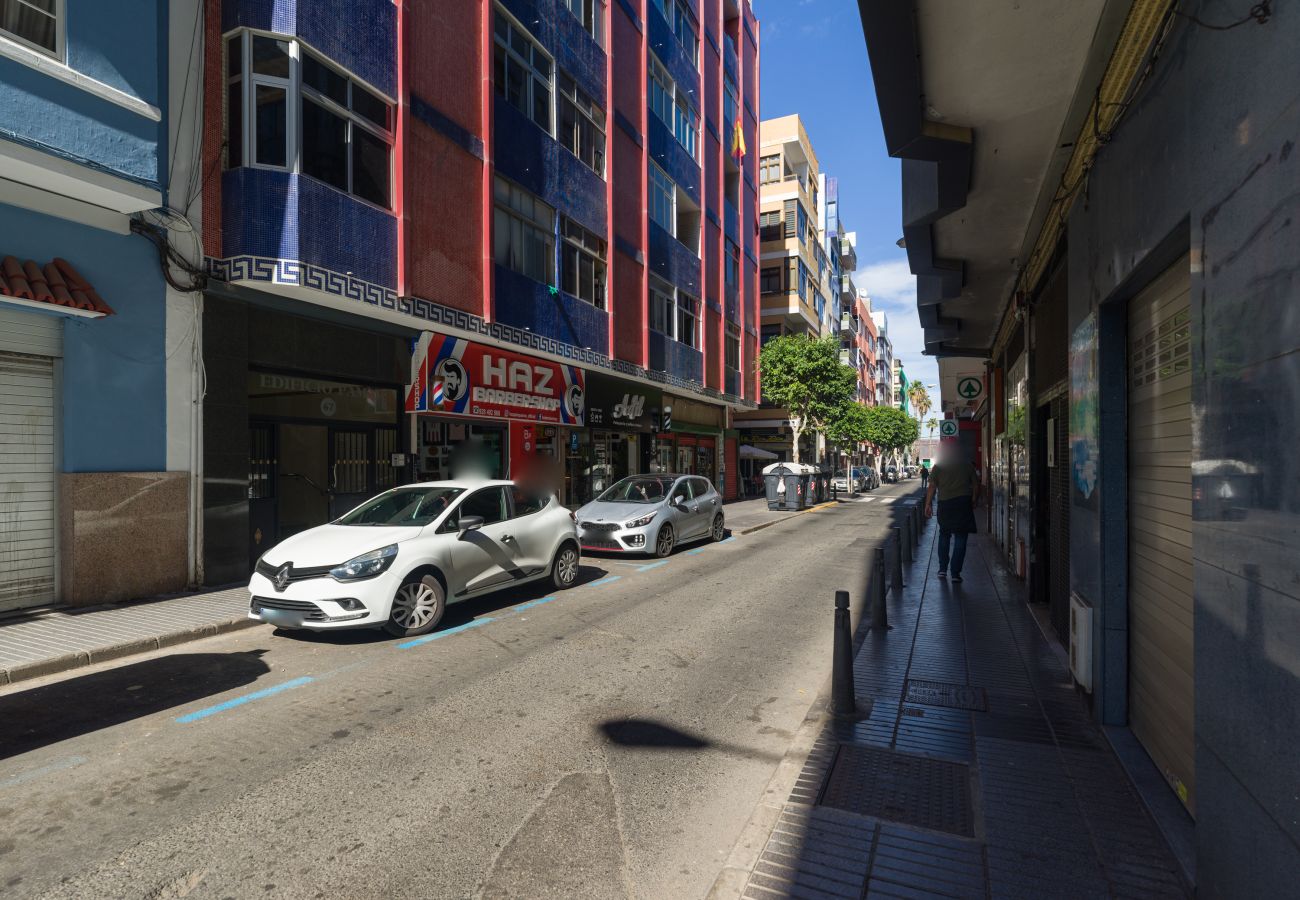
point(57, 283)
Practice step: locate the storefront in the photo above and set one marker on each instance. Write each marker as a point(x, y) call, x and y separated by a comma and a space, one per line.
point(484, 409)
point(620, 416)
point(692, 442)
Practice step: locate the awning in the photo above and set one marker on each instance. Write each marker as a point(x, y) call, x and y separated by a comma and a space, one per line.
point(56, 284)
point(749, 452)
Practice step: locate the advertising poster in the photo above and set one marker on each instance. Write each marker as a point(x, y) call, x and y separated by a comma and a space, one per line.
point(1084, 448)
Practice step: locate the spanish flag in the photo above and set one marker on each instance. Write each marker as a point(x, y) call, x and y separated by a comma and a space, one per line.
point(738, 141)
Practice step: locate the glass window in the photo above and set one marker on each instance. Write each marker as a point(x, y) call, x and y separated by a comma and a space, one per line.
point(271, 134)
point(732, 274)
point(270, 56)
point(370, 176)
point(372, 108)
point(669, 103)
point(527, 503)
point(662, 307)
point(663, 195)
point(522, 72)
point(523, 232)
point(770, 280)
point(582, 124)
point(685, 125)
point(490, 503)
point(32, 22)
point(682, 25)
point(582, 263)
point(589, 13)
point(770, 225)
point(324, 80)
point(688, 318)
point(410, 506)
point(769, 169)
point(733, 346)
point(661, 92)
point(324, 145)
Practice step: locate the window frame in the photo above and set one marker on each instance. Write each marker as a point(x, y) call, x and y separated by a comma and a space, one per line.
point(530, 223)
point(599, 258)
point(679, 116)
point(677, 305)
point(499, 12)
point(60, 15)
point(597, 29)
point(653, 178)
point(563, 96)
point(731, 347)
point(674, 13)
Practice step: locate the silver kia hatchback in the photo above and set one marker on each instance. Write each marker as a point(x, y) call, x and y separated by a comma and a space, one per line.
point(652, 514)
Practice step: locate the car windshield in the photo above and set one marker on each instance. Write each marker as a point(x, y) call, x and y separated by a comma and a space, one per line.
point(639, 489)
point(413, 507)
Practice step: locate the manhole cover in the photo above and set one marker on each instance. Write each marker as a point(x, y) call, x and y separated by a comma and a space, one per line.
point(912, 790)
point(944, 693)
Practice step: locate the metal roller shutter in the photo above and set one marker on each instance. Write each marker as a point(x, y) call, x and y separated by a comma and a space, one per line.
point(1160, 527)
point(27, 488)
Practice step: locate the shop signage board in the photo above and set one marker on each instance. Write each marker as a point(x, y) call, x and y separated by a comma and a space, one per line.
point(615, 403)
point(460, 377)
point(948, 428)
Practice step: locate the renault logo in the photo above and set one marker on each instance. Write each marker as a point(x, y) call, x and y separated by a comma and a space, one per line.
point(282, 577)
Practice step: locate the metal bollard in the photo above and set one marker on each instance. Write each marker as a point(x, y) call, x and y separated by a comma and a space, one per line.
point(916, 523)
point(879, 614)
point(843, 702)
point(905, 540)
point(898, 559)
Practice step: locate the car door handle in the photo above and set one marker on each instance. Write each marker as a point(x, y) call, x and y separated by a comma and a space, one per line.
point(506, 538)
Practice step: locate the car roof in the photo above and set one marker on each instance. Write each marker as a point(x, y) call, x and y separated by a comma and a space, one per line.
point(468, 484)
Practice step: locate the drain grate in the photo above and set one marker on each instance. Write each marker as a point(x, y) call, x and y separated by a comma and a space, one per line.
point(944, 693)
point(912, 790)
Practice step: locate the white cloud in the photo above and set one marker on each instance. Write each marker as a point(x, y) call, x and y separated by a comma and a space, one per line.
point(892, 288)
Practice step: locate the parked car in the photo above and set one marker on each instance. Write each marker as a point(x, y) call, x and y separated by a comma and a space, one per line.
point(891, 475)
point(652, 514)
point(868, 478)
point(912, 471)
point(844, 486)
point(398, 559)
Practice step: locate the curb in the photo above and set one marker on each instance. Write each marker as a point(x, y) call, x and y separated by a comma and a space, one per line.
point(802, 512)
point(82, 658)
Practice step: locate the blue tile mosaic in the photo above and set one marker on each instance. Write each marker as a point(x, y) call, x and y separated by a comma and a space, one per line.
point(672, 261)
point(530, 305)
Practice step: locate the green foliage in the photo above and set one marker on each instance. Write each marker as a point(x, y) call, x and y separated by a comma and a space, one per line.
point(890, 428)
point(932, 423)
point(805, 376)
point(919, 397)
point(850, 426)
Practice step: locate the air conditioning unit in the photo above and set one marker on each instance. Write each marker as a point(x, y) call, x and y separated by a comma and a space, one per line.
point(1081, 642)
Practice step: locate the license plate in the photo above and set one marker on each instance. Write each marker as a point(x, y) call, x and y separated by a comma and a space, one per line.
point(600, 544)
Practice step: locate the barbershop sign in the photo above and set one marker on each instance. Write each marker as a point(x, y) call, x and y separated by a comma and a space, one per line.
point(453, 375)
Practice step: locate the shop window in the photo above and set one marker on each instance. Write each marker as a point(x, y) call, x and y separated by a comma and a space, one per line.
point(523, 228)
point(522, 71)
point(582, 125)
point(582, 263)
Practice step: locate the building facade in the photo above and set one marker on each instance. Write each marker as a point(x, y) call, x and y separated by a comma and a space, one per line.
point(525, 227)
point(1128, 379)
point(98, 361)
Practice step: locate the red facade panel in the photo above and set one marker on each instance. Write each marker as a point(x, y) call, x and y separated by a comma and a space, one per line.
point(446, 58)
point(214, 127)
point(445, 221)
point(629, 322)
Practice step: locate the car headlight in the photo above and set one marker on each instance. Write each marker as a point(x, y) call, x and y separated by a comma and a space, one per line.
point(641, 522)
point(367, 565)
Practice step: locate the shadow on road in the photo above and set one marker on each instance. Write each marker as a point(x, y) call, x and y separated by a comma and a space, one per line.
point(45, 715)
point(648, 734)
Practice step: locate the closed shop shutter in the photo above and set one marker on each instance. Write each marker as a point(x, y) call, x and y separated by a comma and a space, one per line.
point(1058, 487)
point(1160, 527)
point(27, 487)
point(30, 332)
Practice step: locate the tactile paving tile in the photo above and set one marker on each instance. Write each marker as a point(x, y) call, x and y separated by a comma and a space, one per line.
point(944, 693)
point(913, 790)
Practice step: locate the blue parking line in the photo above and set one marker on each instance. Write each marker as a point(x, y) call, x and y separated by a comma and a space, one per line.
point(696, 552)
point(605, 580)
point(653, 565)
point(728, 540)
point(442, 634)
point(247, 698)
point(530, 604)
point(33, 774)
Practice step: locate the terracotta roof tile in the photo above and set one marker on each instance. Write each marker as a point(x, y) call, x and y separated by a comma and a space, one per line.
point(56, 283)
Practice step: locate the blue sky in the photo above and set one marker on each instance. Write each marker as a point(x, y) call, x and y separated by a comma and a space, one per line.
point(814, 63)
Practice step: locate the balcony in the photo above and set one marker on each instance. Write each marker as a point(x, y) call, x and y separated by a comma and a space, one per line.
point(851, 357)
point(847, 289)
point(848, 252)
point(849, 324)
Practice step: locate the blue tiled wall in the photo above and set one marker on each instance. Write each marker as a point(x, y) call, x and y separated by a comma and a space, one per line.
point(675, 358)
point(285, 216)
point(673, 262)
point(731, 218)
point(525, 303)
point(672, 157)
point(359, 35)
point(526, 154)
point(664, 44)
point(562, 35)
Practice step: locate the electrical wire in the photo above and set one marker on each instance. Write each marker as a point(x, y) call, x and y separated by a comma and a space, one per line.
point(1259, 14)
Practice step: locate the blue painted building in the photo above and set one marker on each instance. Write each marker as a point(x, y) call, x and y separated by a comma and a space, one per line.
point(93, 464)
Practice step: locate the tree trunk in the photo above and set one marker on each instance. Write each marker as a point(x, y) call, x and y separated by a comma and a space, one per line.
point(798, 434)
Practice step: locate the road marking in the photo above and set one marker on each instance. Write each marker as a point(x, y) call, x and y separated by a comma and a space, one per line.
point(696, 552)
point(653, 565)
point(530, 604)
point(605, 580)
point(247, 698)
point(33, 774)
point(728, 540)
point(444, 633)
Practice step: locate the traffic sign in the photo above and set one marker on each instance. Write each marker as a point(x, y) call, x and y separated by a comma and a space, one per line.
point(948, 428)
point(969, 388)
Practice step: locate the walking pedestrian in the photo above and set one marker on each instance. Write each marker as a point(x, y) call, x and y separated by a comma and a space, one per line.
point(956, 482)
point(925, 477)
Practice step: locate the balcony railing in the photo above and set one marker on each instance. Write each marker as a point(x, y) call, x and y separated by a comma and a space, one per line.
point(848, 255)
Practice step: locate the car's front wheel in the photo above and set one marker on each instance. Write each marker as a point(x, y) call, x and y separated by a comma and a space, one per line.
point(564, 570)
point(418, 606)
point(665, 542)
point(719, 528)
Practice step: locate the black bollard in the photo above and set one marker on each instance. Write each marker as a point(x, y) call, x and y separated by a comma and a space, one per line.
point(842, 699)
point(879, 613)
point(905, 539)
point(916, 523)
point(898, 559)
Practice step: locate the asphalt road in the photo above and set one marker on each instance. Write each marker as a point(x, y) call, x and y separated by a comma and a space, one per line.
point(609, 742)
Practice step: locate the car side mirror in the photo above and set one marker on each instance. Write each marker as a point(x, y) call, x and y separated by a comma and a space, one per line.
point(679, 503)
point(470, 523)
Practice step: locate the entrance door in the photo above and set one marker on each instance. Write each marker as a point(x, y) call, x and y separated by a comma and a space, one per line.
point(27, 486)
point(350, 482)
point(1160, 527)
point(303, 479)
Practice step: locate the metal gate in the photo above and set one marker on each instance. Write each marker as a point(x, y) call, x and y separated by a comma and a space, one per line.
point(1058, 536)
point(1160, 527)
point(27, 481)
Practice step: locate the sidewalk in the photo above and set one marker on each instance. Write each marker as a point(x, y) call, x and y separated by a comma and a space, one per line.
point(978, 773)
point(56, 640)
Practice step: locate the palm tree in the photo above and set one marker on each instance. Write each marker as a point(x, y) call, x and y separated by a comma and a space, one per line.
point(919, 397)
point(932, 423)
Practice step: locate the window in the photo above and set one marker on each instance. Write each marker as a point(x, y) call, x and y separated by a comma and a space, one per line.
point(673, 109)
point(34, 23)
point(522, 72)
point(769, 169)
point(730, 105)
point(341, 134)
point(523, 232)
point(582, 125)
point(683, 26)
point(770, 226)
point(732, 273)
point(688, 320)
point(770, 280)
point(490, 503)
point(662, 307)
point(802, 228)
point(674, 313)
point(663, 200)
point(582, 263)
point(590, 15)
point(733, 346)
point(527, 503)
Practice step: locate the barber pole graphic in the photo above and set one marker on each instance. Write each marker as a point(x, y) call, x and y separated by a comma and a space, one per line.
point(437, 393)
point(417, 392)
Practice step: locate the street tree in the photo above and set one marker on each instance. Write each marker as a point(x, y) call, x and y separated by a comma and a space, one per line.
point(849, 427)
point(919, 397)
point(805, 376)
point(891, 429)
point(932, 423)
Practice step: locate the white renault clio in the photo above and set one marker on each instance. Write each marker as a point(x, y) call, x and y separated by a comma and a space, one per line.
point(398, 559)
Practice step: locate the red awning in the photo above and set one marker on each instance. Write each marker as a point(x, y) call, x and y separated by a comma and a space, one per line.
point(56, 283)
